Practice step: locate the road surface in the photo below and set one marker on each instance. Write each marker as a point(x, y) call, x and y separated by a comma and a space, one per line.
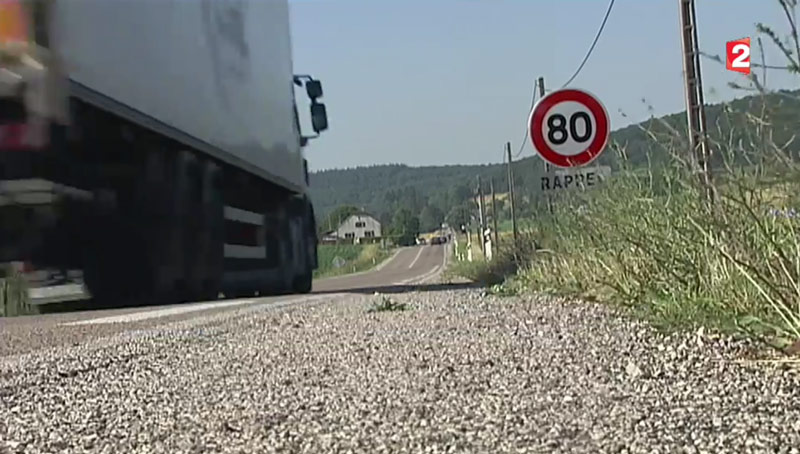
point(457, 371)
point(23, 334)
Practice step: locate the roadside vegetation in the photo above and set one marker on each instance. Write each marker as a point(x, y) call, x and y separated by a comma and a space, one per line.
point(648, 240)
point(387, 304)
point(13, 296)
point(354, 258)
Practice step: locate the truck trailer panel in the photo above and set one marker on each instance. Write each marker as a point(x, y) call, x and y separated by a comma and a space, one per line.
point(216, 73)
point(150, 151)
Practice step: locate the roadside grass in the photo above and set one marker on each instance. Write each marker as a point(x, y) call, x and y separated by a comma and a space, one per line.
point(473, 270)
point(357, 258)
point(652, 245)
point(507, 261)
point(387, 304)
point(646, 239)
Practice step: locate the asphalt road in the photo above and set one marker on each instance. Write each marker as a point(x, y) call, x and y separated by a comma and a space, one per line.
point(25, 334)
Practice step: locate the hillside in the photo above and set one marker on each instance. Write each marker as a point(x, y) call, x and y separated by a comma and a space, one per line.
point(380, 189)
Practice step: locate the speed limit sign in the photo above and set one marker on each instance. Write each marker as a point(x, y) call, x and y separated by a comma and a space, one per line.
point(569, 128)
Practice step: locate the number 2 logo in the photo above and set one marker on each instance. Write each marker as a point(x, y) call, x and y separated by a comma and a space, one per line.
point(737, 56)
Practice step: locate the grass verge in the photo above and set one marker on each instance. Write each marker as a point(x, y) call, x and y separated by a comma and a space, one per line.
point(355, 258)
point(387, 304)
point(648, 239)
point(651, 244)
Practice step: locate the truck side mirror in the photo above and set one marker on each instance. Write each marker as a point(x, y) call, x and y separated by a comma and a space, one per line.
point(319, 117)
point(314, 89)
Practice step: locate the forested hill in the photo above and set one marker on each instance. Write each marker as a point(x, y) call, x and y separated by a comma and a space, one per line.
point(381, 189)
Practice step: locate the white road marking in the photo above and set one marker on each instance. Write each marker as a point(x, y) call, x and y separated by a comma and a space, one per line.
point(157, 313)
point(424, 277)
point(414, 262)
point(188, 309)
point(387, 261)
point(377, 268)
point(420, 279)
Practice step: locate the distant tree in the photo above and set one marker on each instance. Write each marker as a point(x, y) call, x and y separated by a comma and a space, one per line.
point(386, 188)
point(410, 199)
point(337, 216)
point(405, 227)
point(385, 219)
point(458, 216)
point(460, 193)
point(501, 208)
point(441, 201)
point(430, 218)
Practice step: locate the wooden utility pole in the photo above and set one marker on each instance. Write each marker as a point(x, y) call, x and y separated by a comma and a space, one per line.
point(481, 218)
point(693, 88)
point(546, 164)
point(494, 213)
point(511, 193)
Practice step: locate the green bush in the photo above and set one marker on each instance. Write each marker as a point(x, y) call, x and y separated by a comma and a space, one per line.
point(507, 260)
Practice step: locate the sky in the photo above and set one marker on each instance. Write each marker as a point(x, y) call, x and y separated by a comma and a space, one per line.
point(436, 82)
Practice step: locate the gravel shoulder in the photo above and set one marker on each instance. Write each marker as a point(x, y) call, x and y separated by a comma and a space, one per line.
point(457, 371)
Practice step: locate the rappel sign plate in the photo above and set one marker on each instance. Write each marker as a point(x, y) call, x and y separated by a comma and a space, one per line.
point(569, 128)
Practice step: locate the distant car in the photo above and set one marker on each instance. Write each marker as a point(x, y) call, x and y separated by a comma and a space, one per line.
point(438, 240)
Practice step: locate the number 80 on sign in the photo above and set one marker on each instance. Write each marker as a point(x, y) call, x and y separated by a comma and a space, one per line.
point(569, 128)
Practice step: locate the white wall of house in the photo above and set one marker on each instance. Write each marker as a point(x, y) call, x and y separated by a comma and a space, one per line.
point(359, 226)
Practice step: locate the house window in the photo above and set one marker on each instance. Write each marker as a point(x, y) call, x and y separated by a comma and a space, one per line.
point(369, 234)
point(349, 235)
point(361, 224)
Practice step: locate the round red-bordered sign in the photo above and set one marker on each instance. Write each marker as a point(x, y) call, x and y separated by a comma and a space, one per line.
point(544, 109)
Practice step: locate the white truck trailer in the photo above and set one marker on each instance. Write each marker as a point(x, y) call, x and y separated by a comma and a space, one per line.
point(151, 151)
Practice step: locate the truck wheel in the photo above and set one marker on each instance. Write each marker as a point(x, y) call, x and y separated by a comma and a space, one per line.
point(211, 229)
point(303, 283)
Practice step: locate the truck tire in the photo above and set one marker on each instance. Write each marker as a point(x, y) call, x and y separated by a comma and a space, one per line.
point(305, 253)
point(303, 283)
point(106, 283)
point(213, 233)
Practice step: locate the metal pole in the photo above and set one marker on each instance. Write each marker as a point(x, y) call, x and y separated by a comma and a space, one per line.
point(546, 164)
point(511, 193)
point(481, 218)
point(494, 213)
point(693, 88)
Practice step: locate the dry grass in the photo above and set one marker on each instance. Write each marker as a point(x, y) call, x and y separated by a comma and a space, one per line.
point(648, 240)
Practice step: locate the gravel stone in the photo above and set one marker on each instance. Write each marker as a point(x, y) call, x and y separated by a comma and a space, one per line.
point(458, 371)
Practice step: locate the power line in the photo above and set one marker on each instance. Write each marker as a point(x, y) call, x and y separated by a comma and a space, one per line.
point(583, 63)
point(594, 43)
point(525, 139)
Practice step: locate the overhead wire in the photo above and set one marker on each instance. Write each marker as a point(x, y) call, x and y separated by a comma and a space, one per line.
point(525, 139)
point(594, 43)
point(574, 75)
